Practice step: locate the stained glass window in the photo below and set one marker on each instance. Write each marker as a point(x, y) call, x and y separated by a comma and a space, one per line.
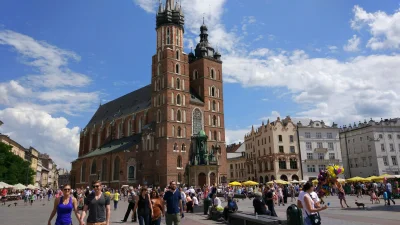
point(197, 121)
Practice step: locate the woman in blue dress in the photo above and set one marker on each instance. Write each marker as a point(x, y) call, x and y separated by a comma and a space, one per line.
point(63, 206)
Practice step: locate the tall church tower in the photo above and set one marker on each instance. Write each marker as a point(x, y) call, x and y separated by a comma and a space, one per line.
point(170, 95)
point(206, 82)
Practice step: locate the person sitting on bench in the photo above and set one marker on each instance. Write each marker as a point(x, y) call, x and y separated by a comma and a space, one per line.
point(230, 208)
point(260, 207)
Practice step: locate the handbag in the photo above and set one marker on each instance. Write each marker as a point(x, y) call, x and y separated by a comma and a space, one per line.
point(315, 219)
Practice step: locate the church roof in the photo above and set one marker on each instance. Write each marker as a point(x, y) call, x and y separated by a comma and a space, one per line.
point(115, 146)
point(135, 101)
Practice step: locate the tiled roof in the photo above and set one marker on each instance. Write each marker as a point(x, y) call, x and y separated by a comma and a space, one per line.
point(125, 105)
point(233, 147)
point(115, 146)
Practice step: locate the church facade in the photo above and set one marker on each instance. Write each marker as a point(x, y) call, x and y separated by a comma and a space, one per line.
point(172, 129)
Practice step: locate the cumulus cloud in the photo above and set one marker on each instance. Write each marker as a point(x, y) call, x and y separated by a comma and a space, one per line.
point(384, 28)
point(31, 127)
point(332, 89)
point(352, 44)
point(30, 101)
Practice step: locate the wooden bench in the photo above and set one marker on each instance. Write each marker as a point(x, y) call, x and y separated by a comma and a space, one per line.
point(249, 219)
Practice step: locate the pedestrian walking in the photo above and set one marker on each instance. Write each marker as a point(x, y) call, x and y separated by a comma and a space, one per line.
point(98, 205)
point(116, 199)
point(131, 205)
point(269, 200)
point(173, 200)
point(63, 206)
point(158, 208)
point(144, 207)
point(310, 212)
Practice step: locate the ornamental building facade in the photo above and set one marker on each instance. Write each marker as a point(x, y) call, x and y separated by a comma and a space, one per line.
point(272, 152)
point(371, 148)
point(319, 147)
point(148, 136)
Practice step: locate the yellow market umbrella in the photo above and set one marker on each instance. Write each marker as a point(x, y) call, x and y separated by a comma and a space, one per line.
point(278, 182)
point(249, 183)
point(235, 183)
point(355, 179)
point(387, 176)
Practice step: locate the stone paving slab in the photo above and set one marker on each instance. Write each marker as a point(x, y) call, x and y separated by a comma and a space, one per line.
point(375, 214)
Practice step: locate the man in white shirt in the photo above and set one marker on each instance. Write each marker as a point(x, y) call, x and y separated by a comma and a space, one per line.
point(217, 202)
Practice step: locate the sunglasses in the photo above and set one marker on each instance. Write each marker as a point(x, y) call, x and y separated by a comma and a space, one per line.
point(96, 186)
point(67, 189)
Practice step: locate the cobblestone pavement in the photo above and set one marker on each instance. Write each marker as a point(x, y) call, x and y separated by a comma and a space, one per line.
point(376, 214)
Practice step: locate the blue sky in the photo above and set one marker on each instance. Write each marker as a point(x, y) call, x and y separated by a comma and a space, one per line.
point(331, 60)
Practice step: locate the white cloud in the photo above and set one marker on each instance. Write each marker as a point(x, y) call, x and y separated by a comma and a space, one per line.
point(352, 44)
point(235, 136)
point(384, 28)
point(324, 88)
point(29, 101)
point(147, 5)
point(39, 129)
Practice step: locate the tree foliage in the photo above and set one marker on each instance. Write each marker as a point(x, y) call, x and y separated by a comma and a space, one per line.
point(14, 169)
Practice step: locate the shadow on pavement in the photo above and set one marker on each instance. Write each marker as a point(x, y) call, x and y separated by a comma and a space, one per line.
point(391, 208)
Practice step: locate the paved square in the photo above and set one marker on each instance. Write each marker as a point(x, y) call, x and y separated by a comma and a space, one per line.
point(376, 214)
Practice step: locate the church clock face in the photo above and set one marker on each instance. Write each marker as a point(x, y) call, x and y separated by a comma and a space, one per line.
point(197, 121)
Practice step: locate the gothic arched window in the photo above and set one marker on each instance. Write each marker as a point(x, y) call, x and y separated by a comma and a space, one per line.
point(177, 69)
point(179, 116)
point(213, 91)
point(159, 116)
point(197, 121)
point(212, 74)
point(177, 54)
point(93, 168)
point(214, 105)
point(178, 99)
point(183, 147)
point(131, 172)
point(179, 162)
point(179, 132)
point(214, 120)
point(116, 169)
point(195, 74)
point(83, 172)
point(215, 135)
point(178, 83)
point(168, 36)
point(175, 147)
point(104, 170)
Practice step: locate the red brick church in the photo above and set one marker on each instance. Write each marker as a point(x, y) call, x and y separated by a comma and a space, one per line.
point(171, 129)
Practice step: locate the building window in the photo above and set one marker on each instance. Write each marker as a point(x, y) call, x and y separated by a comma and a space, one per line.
point(380, 136)
point(308, 135)
point(385, 161)
point(179, 132)
point(131, 173)
point(195, 75)
point(391, 146)
point(280, 138)
point(291, 138)
point(369, 148)
point(215, 135)
point(116, 169)
point(321, 155)
point(330, 145)
point(213, 91)
point(168, 36)
point(178, 83)
point(389, 136)
point(175, 147)
point(83, 172)
point(177, 68)
point(364, 161)
point(104, 170)
point(311, 168)
point(394, 160)
point(178, 99)
point(356, 163)
point(214, 121)
point(282, 164)
point(183, 148)
point(292, 149)
point(331, 155)
point(370, 160)
point(293, 164)
point(159, 116)
point(214, 105)
point(212, 74)
point(177, 54)
point(308, 146)
point(93, 168)
point(179, 116)
point(310, 156)
point(329, 135)
point(179, 162)
point(197, 121)
point(319, 144)
point(383, 147)
point(321, 167)
point(318, 135)
point(281, 149)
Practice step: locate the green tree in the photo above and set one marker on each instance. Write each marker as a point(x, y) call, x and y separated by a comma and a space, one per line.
point(13, 169)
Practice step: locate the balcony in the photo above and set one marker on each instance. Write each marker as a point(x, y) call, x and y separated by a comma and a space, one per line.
point(321, 150)
point(324, 161)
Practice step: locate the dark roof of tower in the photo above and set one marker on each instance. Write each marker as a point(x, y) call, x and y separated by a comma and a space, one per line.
point(204, 48)
point(135, 101)
point(170, 14)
